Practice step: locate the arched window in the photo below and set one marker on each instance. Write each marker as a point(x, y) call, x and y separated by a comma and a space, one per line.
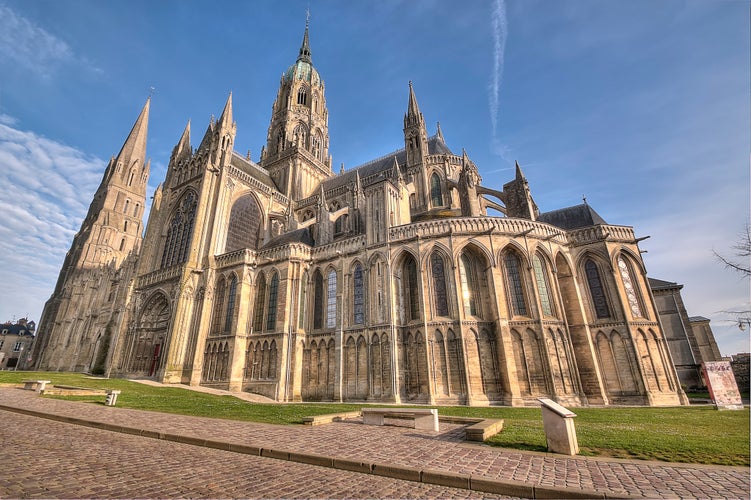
point(218, 304)
point(541, 277)
point(281, 139)
point(260, 301)
point(127, 204)
point(436, 196)
point(244, 227)
point(135, 210)
point(130, 179)
point(300, 135)
point(596, 290)
point(358, 294)
point(271, 315)
point(125, 228)
point(230, 304)
point(340, 225)
point(122, 244)
point(302, 96)
point(411, 290)
point(180, 232)
point(303, 296)
point(331, 300)
point(631, 287)
point(439, 284)
point(514, 280)
point(467, 278)
point(317, 300)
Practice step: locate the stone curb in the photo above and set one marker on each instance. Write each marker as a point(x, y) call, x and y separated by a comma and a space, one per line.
point(437, 477)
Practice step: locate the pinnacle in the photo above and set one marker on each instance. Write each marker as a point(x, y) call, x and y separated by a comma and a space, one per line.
point(134, 147)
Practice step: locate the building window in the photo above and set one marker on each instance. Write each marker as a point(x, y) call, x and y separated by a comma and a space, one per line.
point(541, 277)
point(17, 346)
point(632, 292)
point(260, 296)
point(317, 300)
point(467, 279)
point(331, 301)
point(359, 295)
point(303, 295)
point(596, 290)
point(230, 304)
point(273, 290)
point(302, 96)
point(218, 304)
point(436, 196)
point(439, 284)
point(516, 290)
point(180, 232)
point(411, 291)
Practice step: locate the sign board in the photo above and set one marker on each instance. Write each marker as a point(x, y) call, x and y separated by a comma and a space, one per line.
point(720, 380)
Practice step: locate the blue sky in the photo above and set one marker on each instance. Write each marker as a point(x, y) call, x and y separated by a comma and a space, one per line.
point(641, 106)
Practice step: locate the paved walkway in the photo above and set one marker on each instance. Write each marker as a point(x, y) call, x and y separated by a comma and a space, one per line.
point(405, 453)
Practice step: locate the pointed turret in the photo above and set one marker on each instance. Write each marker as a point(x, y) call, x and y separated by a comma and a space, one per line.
point(225, 120)
point(413, 116)
point(439, 132)
point(518, 198)
point(183, 149)
point(415, 134)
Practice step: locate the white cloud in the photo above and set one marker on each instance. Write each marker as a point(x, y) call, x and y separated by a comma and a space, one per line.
point(25, 45)
point(500, 32)
point(47, 188)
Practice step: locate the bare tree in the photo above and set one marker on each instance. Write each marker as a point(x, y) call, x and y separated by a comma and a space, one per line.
point(742, 250)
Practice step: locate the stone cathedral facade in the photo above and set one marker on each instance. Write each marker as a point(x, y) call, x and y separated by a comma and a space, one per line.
point(388, 282)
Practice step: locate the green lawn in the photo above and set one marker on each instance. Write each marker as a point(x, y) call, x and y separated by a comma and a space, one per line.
point(696, 434)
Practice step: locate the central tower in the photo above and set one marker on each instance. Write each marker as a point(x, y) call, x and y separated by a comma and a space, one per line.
point(297, 144)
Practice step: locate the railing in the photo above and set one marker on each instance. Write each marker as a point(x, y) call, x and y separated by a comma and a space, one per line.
point(159, 275)
point(242, 256)
point(475, 225)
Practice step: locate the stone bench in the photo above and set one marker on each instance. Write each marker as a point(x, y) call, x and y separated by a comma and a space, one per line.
point(35, 385)
point(425, 418)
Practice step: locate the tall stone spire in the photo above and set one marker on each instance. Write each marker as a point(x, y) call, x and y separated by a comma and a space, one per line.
point(413, 115)
point(415, 133)
point(225, 120)
point(134, 147)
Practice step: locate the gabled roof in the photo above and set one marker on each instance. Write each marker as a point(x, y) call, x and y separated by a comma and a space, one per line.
point(251, 169)
point(574, 217)
point(297, 236)
point(436, 146)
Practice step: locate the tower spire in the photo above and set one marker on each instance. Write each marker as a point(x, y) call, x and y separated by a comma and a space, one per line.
point(225, 120)
point(135, 145)
point(413, 110)
point(305, 47)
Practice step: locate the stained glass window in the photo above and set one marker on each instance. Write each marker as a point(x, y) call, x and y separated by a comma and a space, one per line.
point(631, 292)
point(273, 289)
point(516, 290)
point(303, 305)
point(317, 300)
point(467, 279)
point(541, 277)
point(596, 290)
point(218, 304)
point(436, 197)
point(439, 284)
point(230, 304)
point(260, 296)
point(359, 295)
point(412, 293)
point(331, 301)
point(180, 231)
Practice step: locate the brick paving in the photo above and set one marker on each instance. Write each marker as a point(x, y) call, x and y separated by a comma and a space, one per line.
point(405, 447)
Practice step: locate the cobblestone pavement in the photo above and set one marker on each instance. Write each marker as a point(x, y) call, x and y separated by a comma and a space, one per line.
point(406, 447)
point(48, 459)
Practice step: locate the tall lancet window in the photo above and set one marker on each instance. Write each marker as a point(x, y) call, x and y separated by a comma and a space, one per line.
point(596, 290)
point(438, 271)
point(331, 301)
point(632, 289)
point(436, 196)
point(230, 304)
point(515, 287)
point(358, 293)
point(260, 301)
point(467, 278)
point(411, 288)
point(541, 277)
point(273, 291)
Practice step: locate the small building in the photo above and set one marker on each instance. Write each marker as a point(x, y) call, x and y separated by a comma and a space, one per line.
point(690, 339)
point(16, 340)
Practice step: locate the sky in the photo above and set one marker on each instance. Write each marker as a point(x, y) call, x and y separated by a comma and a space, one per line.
point(642, 107)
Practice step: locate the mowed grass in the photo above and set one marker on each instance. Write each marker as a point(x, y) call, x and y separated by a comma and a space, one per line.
point(696, 434)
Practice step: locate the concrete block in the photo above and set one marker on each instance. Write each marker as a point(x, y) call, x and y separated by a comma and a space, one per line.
point(397, 472)
point(352, 465)
point(560, 432)
point(444, 478)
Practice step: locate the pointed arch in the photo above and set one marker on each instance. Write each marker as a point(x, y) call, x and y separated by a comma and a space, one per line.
point(245, 226)
point(542, 281)
point(596, 289)
point(436, 194)
point(631, 286)
point(317, 299)
point(515, 283)
point(331, 299)
point(438, 275)
point(180, 231)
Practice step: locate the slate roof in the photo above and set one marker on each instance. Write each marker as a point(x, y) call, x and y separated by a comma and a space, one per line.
point(297, 236)
point(436, 146)
point(251, 169)
point(574, 217)
point(16, 329)
point(656, 284)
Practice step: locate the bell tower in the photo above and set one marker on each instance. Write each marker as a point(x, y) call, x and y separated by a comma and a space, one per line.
point(297, 144)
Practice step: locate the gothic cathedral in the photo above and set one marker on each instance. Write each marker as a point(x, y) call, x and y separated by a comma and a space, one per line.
point(388, 282)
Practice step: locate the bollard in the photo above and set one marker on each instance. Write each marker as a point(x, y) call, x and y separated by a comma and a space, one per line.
point(111, 398)
point(560, 433)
